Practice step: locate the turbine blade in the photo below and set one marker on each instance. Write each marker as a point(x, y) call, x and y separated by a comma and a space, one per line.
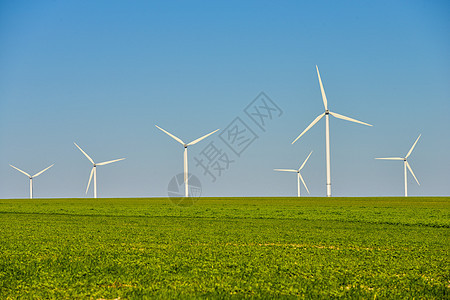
point(108, 162)
point(203, 137)
point(84, 153)
point(347, 118)
point(90, 178)
point(299, 175)
point(305, 161)
point(285, 170)
point(310, 125)
point(324, 97)
point(390, 158)
point(409, 168)
point(37, 174)
point(410, 150)
point(21, 171)
point(171, 135)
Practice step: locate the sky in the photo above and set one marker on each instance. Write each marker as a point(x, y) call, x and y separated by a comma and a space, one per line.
point(103, 73)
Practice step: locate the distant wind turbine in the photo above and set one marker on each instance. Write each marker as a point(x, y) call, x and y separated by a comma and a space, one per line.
point(186, 188)
point(31, 177)
point(405, 165)
point(299, 176)
point(94, 170)
point(327, 130)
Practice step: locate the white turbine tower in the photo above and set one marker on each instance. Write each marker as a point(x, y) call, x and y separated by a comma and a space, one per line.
point(186, 187)
point(31, 177)
point(299, 176)
point(327, 130)
point(405, 165)
point(94, 170)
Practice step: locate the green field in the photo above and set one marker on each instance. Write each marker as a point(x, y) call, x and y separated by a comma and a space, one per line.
point(225, 247)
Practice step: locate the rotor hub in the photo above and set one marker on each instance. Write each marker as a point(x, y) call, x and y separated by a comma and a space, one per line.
point(327, 112)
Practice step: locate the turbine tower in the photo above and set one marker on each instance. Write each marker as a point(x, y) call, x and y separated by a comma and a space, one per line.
point(327, 114)
point(405, 165)
point(94, 170)
point(31, 177)
point(186, 187)
point(299, 176)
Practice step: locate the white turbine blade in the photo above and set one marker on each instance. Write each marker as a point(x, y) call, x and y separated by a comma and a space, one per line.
point(171, 135)
point(304, 163)
point(409, 168)
point(203, 137)
point(37, 174)
point(410, 150)
point(324, 97)
point(108, 162)
point(285, 170)
point(390, 158)
point(21, 171)
point(85, 153)
point(347, 118)
point(310, 125)
point(90, 178)
point(299, 175)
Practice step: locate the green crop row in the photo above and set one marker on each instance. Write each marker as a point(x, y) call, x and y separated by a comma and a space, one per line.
point(225, 248)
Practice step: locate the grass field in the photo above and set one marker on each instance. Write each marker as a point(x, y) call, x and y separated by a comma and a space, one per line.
point(225, 247)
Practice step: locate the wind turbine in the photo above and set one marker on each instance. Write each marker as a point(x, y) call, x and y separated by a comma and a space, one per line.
point(94, 170)
point(299, 176)
point(327, 113)
point(405, 165)
point(186, 188)
point(31, 177)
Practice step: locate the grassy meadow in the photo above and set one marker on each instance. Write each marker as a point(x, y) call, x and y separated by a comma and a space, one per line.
point(225, 248)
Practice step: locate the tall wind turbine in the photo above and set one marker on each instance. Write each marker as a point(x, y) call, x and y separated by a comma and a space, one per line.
point(405, 165)
point(299, 176)
point(94, 170)
point(186, 188)
point(327, 113)
point(31, 177)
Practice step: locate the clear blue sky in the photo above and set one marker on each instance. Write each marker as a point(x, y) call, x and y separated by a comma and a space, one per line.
point(103, 73)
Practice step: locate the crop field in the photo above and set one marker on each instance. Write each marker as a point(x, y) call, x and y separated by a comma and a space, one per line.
point(225, 248)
